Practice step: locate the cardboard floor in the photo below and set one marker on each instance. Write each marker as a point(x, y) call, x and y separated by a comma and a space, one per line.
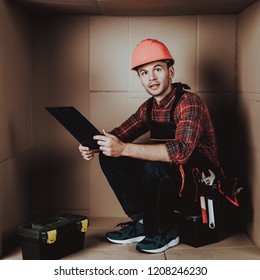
point(236, 247)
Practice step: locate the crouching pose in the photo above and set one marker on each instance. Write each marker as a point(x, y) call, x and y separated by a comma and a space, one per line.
point(152, 180)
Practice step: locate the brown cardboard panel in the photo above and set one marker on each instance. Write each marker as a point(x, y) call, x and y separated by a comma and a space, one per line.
point(255, 198)
point(109, 63)
point(3, 201)
point(61, 56)
point(249, 97)
point(19, 179)
point(15, 176)
point(60, 78)
point(108, 109)
point(249, 48)
point(15, 81)
point(216, 53)
point(222, 110)
point(5, 79)
point(136, 7)
point(251, 105)
point(60, 176)
point(59, 179)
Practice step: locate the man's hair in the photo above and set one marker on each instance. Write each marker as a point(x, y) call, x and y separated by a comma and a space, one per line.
point(169, 62)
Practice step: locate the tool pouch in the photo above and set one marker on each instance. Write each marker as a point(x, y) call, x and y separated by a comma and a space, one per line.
point(228, 197)
point(233, 205)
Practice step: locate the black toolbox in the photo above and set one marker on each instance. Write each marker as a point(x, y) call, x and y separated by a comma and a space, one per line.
point(53, 238)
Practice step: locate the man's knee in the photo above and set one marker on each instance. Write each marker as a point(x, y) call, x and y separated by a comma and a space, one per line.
point(156, 169)
point(152, 166)
point(116, 163)
point(161, 170)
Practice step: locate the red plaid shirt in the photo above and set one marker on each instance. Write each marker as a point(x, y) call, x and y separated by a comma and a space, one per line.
point(194, 127)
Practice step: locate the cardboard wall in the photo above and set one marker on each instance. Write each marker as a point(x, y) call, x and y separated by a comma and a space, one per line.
point(60, 178)
point(15, 119)
point(249, 108)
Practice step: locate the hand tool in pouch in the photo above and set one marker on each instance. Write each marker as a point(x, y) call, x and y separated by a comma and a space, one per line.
point(209, 182)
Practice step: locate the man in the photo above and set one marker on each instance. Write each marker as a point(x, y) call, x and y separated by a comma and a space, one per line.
point(152, 180)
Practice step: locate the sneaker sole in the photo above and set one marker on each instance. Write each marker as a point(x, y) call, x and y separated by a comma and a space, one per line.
point(127, 241)
point(172, 243)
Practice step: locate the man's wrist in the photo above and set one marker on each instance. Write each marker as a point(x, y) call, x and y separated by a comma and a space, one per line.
point(125, 151)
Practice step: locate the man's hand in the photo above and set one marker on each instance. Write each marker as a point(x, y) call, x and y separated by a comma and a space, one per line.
point(109, 144)
point(86, 153)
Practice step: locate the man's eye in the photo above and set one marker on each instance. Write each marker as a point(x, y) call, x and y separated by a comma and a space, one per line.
point(143, 73)
point(158, 69)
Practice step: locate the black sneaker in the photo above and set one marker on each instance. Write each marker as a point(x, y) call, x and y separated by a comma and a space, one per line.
point(130, 232)
point(159, 243)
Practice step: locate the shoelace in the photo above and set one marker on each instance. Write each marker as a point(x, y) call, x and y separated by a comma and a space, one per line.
point(129, 226)
point(126, 224)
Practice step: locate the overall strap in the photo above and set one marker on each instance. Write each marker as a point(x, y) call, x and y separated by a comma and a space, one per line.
point(149, 109)
point(179, 92)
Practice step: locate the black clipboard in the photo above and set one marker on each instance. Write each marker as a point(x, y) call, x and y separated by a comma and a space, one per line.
point(82, 129)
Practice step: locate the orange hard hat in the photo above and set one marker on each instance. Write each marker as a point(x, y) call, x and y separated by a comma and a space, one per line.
point(149, 50)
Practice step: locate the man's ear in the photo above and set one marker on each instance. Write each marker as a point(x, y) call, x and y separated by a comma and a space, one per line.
point(171, 71)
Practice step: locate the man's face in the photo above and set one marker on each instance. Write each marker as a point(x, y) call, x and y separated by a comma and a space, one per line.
point(156, 78)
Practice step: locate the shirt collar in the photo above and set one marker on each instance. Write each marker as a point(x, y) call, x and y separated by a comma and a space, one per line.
point(165, 102)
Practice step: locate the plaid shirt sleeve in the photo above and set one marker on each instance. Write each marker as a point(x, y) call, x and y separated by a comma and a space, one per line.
point(133, 127)
point(190, 118)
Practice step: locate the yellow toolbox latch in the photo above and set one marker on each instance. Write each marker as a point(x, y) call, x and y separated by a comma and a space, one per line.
point(51, 236)
point(84, 225)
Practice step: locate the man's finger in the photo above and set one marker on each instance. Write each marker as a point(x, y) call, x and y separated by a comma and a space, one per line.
point(83, 148)
point(107, 134)
point(88, 157)
point(100, 137)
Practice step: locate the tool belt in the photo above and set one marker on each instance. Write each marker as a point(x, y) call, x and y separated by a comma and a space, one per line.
point(216, 193)
point(206, 190)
